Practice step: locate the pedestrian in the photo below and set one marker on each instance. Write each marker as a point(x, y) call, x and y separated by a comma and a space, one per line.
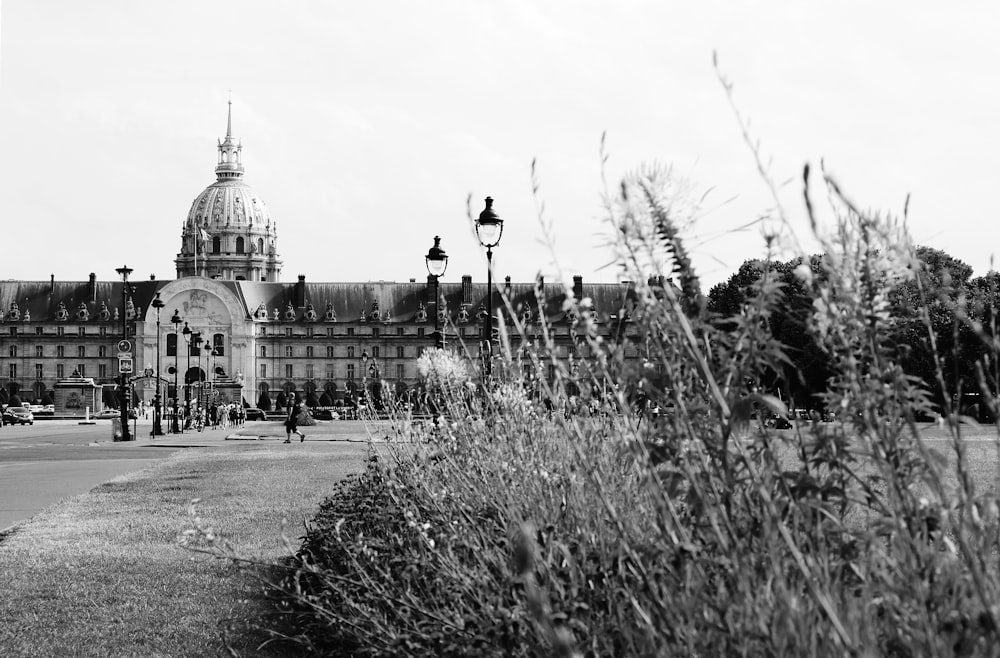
point(292, 425)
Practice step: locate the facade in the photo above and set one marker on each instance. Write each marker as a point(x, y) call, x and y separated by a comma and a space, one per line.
point(261, 336)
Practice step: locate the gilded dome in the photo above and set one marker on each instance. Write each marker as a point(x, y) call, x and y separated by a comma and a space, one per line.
point(228, 203)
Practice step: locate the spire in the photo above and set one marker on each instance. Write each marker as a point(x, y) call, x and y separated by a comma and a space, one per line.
point(230, 163)
point(229, 119)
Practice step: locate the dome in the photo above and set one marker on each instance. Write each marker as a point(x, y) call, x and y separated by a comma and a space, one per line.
point(229, 203)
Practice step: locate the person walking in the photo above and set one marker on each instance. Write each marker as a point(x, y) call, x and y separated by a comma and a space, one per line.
point(292, 425)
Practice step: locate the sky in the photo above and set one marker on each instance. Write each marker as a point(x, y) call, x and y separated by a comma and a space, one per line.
point(368, 126)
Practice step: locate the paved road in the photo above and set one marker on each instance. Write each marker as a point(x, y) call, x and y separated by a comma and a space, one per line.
point(43, 463)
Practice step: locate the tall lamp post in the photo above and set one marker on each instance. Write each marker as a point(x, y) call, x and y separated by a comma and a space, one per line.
point(489, 229)
point(196, 338)
point(187, 387)
point(157, 427)
point(176, 320)
point(437, 263)
point(124, 271)
point(364, 375)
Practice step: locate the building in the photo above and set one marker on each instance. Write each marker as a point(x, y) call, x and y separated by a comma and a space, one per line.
point(260, 336)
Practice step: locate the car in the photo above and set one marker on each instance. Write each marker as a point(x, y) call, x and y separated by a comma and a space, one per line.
point(253, 413)
point(108, 413)
point(18, 416)
point(325, 414)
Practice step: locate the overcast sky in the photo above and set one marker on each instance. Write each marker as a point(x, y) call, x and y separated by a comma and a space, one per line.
point(366, 125)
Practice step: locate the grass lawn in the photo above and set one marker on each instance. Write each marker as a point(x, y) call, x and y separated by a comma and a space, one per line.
point(102, 574)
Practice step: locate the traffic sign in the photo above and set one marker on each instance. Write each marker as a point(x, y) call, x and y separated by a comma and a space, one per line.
point(124, 355)
point(125, 366)
point(124, 346)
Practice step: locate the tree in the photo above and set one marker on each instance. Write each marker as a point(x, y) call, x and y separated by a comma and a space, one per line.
point(264, 401)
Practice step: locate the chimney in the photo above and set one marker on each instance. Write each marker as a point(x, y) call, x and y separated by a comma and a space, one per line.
point(578, 287)
point(92, 288)
point(466, 288)
point(52, 284)
point(300, 291)
point(432, 288)
point(506, 286)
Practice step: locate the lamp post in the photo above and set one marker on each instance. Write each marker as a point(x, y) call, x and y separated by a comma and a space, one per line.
point(157, 427)
point(437, 263)
point(489, 229)
point(187, 387)
point(124, 271)
point(197, 339)
point(176, 320)
point(364, 375)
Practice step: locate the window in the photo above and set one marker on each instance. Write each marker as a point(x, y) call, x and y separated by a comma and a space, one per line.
point(240, 246)
point(263, 331)
point(329, 351)
point(60, 331)
point(38, 331)
point(350, 371)
point(329, 332)
point(12, 371)
point(310, 332)
point(81, 351)
point(399, 352)
point(171, 344)
point(375, 331)
point(103, 332)
point(420, 332)
point(288, 332)
point(399, 331)
point(263, 351)
point(216, 245)
point(219, 344)
point(309, 371)
point(38, 371)
point(309, 350)
point(38, 350)
point(61, 351)
point(102, 370)
point(350, 331)
point(102, 350)
point(288, 371)
point(260, 245)
point(13, 351)
point(263, 371)
point(60, 371)
point(400, 371)
point(374, 351)
point(13, 331)
point(82, 369)
point(288, 351)
point(350, 351)
point(82, 331)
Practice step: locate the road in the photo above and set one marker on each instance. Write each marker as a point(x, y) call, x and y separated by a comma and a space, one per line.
point(43, 463)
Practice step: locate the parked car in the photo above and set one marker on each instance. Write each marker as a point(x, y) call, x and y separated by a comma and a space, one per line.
point(18, 416)
point(113, 413)
point(253, 413)
point(325, 414)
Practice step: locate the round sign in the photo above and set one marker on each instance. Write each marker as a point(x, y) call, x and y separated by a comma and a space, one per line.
point(124, 346)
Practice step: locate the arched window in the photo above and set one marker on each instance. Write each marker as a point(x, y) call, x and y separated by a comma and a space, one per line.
point(171, 344)
point(219, 344)
point(239, 245)
point(216, 245)
point(260, 245)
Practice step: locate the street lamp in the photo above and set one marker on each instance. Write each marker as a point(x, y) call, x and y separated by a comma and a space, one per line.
point(157, 427)
point(437, 263)
point(176, 320)
point(489, 229)
point(196, 338)
point(364, 375)
point(124, 271)
point(187, 387)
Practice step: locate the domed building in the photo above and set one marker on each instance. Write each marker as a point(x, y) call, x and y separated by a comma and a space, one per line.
point(228, 330)
point(229, 233)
